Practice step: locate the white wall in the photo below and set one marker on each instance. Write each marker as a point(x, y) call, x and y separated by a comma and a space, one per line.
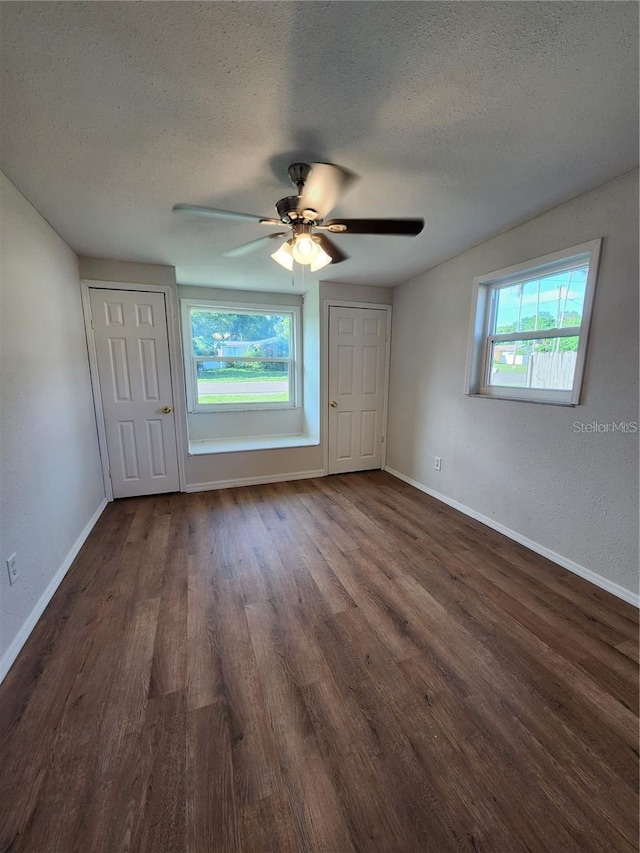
point(519, 464)
point(311, 366)
point(128, 272)
point(50, 479)
point(355, 292)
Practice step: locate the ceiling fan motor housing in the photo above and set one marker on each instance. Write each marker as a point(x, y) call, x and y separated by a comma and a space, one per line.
point(287, 208)
point(289, 213)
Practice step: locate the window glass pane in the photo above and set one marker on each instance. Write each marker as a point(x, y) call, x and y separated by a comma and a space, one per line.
point(223, 333)
point(226, 381)
point(539, 363)
point(553, 301)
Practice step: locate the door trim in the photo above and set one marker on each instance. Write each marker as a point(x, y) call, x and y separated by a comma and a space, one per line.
point(324, 385)
point(175, 362)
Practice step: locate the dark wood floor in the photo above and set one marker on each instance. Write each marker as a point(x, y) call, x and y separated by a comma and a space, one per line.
point(341, 664)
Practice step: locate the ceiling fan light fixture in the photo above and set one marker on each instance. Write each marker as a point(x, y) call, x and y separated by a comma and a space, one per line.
point(284, 256)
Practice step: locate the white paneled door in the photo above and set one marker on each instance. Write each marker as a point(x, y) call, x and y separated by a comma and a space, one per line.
point(357, 388)
point(132, 349)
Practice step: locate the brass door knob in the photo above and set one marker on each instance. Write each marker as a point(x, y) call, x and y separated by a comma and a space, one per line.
point(333, 404)
point(166, 410)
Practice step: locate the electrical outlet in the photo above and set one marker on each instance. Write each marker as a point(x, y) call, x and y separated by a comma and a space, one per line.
point(437, 463)
point(12, 568)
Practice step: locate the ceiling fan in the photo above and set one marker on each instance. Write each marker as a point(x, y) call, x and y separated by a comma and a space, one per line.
point(319, 186)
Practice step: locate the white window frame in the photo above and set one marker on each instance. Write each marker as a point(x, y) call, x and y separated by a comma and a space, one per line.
point(294, 360)
point(482, 333)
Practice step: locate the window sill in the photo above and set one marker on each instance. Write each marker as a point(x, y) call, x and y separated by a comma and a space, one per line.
point(233, 407)
point(254, 442)
point(514, 399)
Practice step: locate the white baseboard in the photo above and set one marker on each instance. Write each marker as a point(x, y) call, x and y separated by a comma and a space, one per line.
point(23, 634)
point(614, 588)
point(253, 481)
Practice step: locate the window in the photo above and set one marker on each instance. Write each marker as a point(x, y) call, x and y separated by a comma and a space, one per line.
point(239, 358)
point(530, 326)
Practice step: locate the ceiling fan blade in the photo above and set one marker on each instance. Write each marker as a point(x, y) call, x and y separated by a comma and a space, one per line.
point(247, 248)
point(216, 213)
point(397, 227)
point(335, 253)
point(324, 186)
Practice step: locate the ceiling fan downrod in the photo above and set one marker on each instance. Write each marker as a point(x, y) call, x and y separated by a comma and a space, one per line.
point(299, 172)
point(289, 209)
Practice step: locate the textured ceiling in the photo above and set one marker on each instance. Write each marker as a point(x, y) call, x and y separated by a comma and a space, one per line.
point(475, 116)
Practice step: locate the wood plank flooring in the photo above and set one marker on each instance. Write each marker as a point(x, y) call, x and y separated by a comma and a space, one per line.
point(326, 666)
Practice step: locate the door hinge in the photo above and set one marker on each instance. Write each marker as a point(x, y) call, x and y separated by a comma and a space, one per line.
point(93, 325)
point(383, 439)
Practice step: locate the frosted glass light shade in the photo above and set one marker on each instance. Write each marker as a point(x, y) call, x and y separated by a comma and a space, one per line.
point(284, 256)
point(321, 260)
